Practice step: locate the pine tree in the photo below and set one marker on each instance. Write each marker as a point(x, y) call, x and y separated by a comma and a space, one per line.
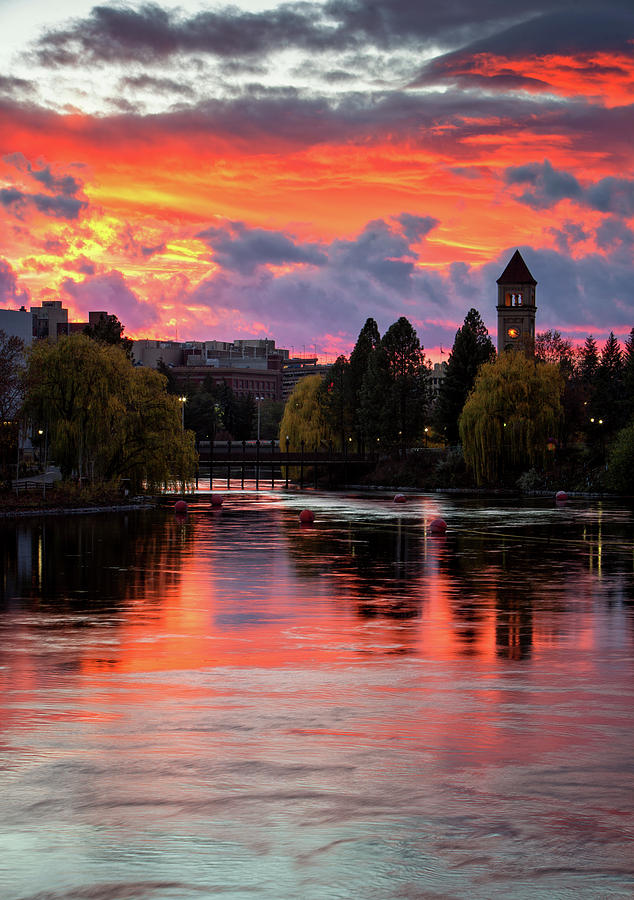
point(588, 360)
point(367, 342)
point(472, 347)
point(628, 377)
point(335, 400)
point(606, 405)
point(407, 398)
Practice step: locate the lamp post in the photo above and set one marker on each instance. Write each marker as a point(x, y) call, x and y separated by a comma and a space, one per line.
point(183, 401)
point(426, 433)
point(259, 401)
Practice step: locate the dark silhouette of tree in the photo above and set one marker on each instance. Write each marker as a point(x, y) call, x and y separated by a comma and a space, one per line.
point(606, 404)
point(628, 377)
point(588, 360)
point(336, 400)
point(367, 342)
point(171, 385)
point(109, 330)
point(11, 397)
point(11, 371)
point(472, 347)
point(551, 347)
point(407, 397)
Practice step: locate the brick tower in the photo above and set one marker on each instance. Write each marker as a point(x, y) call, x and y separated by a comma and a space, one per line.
point(516, 307)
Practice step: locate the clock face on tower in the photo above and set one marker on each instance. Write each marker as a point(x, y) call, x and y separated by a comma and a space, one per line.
point(513, 333)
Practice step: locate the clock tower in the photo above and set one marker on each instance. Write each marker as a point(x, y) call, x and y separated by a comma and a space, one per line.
point(516, 307)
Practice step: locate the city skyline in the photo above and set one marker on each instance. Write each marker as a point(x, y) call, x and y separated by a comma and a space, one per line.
point(287, 171)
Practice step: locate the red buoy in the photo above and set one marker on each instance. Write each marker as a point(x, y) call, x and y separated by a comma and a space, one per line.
point(216, 499)
point(438, 526)
point(561, 495)
point(307, 517)
point(180, 506)
point(400, 498)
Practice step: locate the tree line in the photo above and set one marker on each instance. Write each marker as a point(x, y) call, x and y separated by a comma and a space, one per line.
point(378, 397)
point(99, 417)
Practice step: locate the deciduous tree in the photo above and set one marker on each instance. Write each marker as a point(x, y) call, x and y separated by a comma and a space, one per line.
point(106, 418)
point(514, 409)
point(303, 419)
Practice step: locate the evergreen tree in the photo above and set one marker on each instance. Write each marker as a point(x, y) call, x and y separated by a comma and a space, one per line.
point(367, 342)
point(407, 399)
point(588, 360)
point(336, 400)
point(472, 347)
point(606, 404)
point(628, 377)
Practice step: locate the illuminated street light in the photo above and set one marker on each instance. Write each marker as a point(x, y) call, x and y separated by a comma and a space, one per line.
point(183, 401)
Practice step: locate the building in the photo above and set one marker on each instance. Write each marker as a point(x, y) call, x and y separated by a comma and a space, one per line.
point(516, 307)
point(436, 378)
point(17, 323)
point(49, 320)
point(296, 368)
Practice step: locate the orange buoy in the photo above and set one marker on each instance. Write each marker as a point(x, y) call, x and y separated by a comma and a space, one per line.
point(216, 499)
point(180, 506)
point(307, 517)
point(438, 526)
point(400, 498)
point(561, 496)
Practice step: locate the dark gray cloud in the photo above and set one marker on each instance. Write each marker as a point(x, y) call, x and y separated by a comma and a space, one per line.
point(416, 227)
point(81, 264)
point(10, 291)
point(16, 86)
point(156, 85)
point(239, 248)
point(60, 207)
point(547, 186)
point(148, 32)
point(110, 292)
point(607, 27)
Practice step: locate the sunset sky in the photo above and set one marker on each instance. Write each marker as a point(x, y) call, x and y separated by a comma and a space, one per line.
point(219, 172)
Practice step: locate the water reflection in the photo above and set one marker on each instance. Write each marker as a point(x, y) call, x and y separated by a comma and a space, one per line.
point(234, 704)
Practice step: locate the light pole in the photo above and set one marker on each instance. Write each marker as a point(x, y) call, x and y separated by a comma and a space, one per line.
point(183, 401)
point(426, 433)
point(259, 401)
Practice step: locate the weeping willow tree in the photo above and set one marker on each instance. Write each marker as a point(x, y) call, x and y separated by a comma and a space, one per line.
point(513, 410)
point(303, 419)
point(105, 418)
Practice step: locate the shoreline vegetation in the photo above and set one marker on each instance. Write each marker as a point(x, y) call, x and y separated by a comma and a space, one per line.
point(67, 498)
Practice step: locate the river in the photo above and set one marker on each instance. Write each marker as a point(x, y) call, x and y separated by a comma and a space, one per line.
point(230, 704)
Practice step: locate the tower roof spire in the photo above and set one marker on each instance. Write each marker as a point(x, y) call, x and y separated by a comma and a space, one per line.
point(516, 272)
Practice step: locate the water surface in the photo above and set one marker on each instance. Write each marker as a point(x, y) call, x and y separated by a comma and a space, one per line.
point(231, 704)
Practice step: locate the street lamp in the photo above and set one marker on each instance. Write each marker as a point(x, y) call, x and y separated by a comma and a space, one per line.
point(183, 401)
point(426, 433)
point(258, 401)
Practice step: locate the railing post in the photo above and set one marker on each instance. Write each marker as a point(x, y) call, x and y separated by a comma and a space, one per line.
point(211, 463)
point(273, 465)
point(228, 465)
point(288, 440)
point(244, 450)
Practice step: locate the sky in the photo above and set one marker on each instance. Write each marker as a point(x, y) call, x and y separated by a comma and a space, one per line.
point(288, 170)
